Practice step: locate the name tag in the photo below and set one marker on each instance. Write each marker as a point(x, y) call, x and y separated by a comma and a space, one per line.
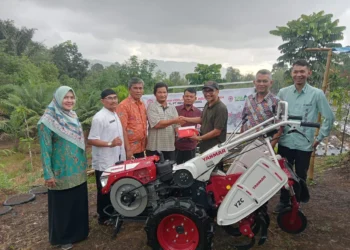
point(112, 121)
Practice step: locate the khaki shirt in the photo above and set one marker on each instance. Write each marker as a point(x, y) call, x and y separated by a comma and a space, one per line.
point(161, 139)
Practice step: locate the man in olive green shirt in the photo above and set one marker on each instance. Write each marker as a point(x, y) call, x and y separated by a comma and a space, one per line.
point(306, 101)
point(213, 120)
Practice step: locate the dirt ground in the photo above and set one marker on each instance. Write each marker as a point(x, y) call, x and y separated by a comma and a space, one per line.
point(328, 213)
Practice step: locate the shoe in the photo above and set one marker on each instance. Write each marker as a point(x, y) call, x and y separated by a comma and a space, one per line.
point(280, 207)
point(66, 246)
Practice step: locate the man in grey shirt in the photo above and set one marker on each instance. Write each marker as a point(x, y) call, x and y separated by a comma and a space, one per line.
point(163, 121)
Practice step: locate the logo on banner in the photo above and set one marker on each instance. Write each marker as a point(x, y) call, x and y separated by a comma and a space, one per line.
point(240, 98)
point(149, 101)
point(230, 98)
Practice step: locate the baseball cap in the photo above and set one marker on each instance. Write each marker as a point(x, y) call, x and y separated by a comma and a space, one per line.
point(211, 85)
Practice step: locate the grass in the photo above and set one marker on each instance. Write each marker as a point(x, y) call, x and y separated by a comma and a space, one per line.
point(16, 173)
point(329, 162)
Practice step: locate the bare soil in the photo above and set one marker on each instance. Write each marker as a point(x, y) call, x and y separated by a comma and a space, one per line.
point(328, 214)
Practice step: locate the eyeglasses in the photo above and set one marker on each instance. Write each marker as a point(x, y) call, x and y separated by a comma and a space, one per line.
point(111, 98)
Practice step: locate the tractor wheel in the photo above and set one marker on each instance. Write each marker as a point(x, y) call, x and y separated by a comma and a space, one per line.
point(285, 223)
point(178, 224)
point(128, 197)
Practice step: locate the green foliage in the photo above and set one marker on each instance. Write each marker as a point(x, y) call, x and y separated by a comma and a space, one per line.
point(203, 73)
point(16, 41)
point(69, 60)
point(233, 75)
point(317, 30)
point(340, 92)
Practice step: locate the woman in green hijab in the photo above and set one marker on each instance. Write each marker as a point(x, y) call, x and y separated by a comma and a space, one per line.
point(64, 163)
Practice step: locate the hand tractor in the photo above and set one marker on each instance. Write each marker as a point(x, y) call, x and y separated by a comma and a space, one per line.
point(181, 203)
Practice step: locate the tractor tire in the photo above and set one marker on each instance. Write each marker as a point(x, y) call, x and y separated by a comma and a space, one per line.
point(178, 224)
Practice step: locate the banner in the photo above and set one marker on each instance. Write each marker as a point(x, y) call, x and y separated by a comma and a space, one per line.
point(234, 99)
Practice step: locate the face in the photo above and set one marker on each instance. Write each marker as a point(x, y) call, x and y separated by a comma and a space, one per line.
point(68, 101)
point(161, 94)
point(110, 102)
point(136, 91)
point(262, 83)
point(210, 95)
point(189, 98)
point(300, 74)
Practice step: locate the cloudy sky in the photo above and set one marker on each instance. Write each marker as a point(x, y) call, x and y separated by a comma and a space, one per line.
point(231, 32)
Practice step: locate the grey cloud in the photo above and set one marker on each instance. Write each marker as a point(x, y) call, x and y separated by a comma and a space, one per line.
point(220, 24)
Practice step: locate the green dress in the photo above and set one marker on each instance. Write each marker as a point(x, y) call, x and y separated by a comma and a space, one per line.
point(61, 159)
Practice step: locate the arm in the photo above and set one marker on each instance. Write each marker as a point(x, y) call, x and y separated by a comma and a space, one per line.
point(197, 120)
point(154, 120)
point(212, 134)
point(166, 123)
point(94, 136)
point(45, 140)
point(327, 114)
point(219, 124)
point(123, 117)
point(244, 111)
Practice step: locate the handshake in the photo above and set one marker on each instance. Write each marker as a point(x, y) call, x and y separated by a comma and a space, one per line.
point(181, 120)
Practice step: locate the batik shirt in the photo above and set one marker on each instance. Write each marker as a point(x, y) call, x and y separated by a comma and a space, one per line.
point(133, 117)
point(258, 112)
point(61, 160)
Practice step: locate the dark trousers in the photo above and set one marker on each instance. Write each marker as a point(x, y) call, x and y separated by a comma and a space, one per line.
point(139, 155)
point(103, 200)
point(300, 160)
point(168, 155)
point(184, 155)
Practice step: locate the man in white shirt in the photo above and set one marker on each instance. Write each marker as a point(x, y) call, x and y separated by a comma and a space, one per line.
point(106, 138)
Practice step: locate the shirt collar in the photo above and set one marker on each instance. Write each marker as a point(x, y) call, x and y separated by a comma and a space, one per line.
point(108, 111)
point(265, 97)
point(133, 100)
point(160, 105)
point(184, 107)
point(215, 103)
point(304, 90)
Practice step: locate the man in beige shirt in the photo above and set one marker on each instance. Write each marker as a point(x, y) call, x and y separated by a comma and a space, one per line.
point(163, 121)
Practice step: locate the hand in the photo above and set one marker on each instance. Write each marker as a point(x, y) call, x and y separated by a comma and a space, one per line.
point(182, 120)
point(117, 142)
point(50, 183)
point(195, 138)
point(315, 144)
point(129, 154)
point(280, 131)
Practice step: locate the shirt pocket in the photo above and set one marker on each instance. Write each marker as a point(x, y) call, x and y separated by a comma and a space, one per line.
point(308, 109)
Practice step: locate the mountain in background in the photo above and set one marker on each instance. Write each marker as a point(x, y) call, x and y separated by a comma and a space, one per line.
point(166, 66)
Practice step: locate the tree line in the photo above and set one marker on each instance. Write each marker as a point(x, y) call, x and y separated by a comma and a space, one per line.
point(30, 72)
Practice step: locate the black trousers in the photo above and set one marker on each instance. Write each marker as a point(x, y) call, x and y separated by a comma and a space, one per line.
point(300, 160)
point(168, 155)
point(68, 212)
point(139, 155)
point(184, 155)
point(103, 200)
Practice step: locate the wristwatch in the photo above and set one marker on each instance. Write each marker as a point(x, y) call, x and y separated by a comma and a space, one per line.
point(109, 144)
